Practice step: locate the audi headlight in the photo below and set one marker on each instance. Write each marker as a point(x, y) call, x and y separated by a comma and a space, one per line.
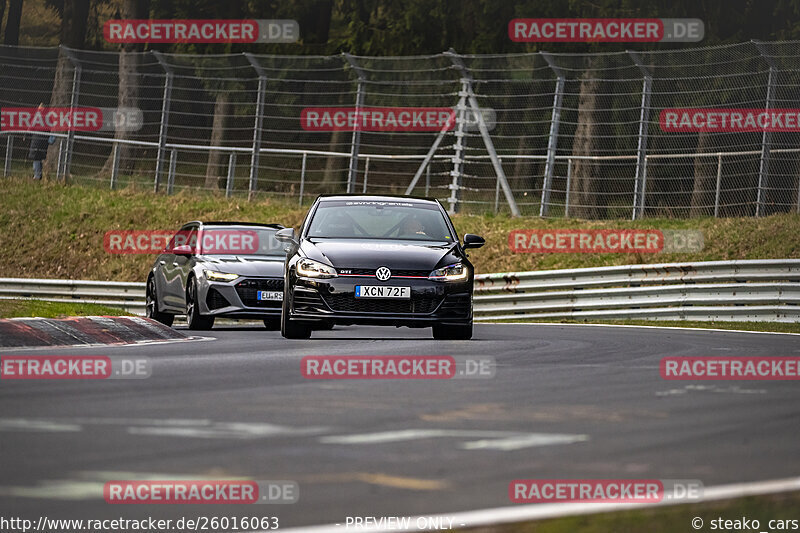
point(213, 275)
point(454, 272)
point(309, 268)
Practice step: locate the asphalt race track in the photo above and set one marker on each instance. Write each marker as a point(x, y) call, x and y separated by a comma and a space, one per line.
point(566, 402)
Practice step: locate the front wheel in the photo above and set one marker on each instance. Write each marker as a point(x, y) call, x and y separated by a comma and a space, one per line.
point(448, 332)
point(272, 324)
point(151, 304)
point(194, 319)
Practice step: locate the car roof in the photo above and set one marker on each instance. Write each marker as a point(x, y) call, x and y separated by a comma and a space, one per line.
point(233, 223)
point(376, 197)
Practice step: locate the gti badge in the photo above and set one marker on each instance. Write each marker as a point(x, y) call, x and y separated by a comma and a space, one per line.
point(383, 273)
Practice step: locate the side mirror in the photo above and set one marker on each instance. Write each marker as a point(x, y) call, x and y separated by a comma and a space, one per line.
point(288, 238)
point(183, 249)
point(473, 241)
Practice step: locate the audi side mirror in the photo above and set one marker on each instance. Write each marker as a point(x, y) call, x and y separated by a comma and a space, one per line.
point(473, 241)
point(183, 249)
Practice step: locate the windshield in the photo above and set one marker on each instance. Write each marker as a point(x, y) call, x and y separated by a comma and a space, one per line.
point(351, 219)
point(238, 241)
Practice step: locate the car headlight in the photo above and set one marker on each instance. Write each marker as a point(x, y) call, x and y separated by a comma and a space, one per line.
point(314, 269)
point(454, 272)
point(213, 275)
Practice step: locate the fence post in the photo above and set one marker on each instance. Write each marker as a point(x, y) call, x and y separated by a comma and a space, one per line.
point(427, 180)
point(719, 180)
point(231, 174)
point(640, 181)
point(766, 136)
point(115, 166)
point(9, 149)
point(59, 161)
point(165, 105)
point(552, 142)
point(355, 141)
point(569, 183)
point(487, 139)
point(302, 179)
point(76, 84)
point(366, 174)
point(259, 118)
point(173, 160)
point(457, 159)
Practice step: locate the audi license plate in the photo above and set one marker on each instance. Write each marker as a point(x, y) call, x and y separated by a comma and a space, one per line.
point(381, 291)
point(272, 296)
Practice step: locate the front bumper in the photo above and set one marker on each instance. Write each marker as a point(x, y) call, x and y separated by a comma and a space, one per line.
point(334, 300)
point(239, 298)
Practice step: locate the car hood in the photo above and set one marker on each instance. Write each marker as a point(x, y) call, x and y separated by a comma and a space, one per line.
point(244, 265)
point(363, 253)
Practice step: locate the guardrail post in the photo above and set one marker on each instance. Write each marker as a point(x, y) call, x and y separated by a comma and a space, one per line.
point(569, 183)
point(366, 174)
point(640, 181)
point(487, 139)
point(173, 160)
point(302, 179)
point(719, 180)
point(355, 141)
point(9, 149)
point(165, 105)
point(73, 103)
point(552, 142)
point(115, 166)
point(259, 118)
point(766, 136)
point(231, 174)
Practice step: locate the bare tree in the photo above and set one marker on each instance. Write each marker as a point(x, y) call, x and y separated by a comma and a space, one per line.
point(13, 22)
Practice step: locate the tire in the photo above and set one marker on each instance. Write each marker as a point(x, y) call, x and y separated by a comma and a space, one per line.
point(151, 304)
point(194, 319)
point(289, 329)
point(446, 332)
point(272, 324)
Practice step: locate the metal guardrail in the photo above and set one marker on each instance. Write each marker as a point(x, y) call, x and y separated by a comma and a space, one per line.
point(746, 290)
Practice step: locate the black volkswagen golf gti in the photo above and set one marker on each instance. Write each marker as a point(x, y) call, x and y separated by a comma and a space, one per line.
point(377, 260)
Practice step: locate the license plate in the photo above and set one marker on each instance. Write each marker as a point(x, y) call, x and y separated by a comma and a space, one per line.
point(381, 291)
point(272, 296)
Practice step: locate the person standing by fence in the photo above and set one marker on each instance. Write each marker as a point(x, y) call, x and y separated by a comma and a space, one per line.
point(38, 150)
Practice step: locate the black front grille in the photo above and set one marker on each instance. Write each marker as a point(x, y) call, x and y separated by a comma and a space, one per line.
point(304, 298)
point(371, 272)
point(347, 303)
point(215, 300)
point(248, 291)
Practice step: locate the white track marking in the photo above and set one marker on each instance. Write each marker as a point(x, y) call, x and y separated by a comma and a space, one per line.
point(529, 512)
point(489, 440)
point(634, 326)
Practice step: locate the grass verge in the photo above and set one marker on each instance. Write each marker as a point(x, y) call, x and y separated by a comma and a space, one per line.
point(675, 519)
point(38, 308)
point(777, 327)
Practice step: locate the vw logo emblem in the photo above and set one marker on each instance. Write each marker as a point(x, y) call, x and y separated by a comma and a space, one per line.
point(383, 273)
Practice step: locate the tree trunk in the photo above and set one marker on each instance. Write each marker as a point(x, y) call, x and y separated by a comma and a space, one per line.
point(332, 177)
point(128, 88)
point(2, 13)
point(705, 178)
point(12, 24)
point(222, 110)
point(585, 187)
point(73, 35)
